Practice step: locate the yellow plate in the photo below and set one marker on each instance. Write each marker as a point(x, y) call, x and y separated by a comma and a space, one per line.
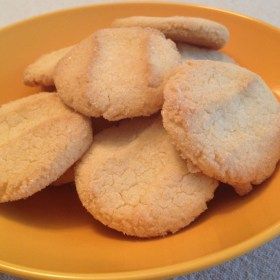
point(51, 236)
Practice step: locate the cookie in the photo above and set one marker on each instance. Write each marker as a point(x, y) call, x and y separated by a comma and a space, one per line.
point(133, 180)
point(117, 73)
point(226, 120)
point(98, 124)
point(66, 178)
point(40, 138)
point(190, 52)
point(40, 72)
point(196, 31)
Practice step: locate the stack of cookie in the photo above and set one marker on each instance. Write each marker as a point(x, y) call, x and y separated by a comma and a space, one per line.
point(137, 171)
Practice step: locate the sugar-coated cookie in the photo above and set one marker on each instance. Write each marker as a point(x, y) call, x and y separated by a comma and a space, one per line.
point(40, 138)
point(196, 31)
point(133, 180)
point(225, 119)
point(40, 72)
point(98, 124)
point(117, 73)
point(190, 52)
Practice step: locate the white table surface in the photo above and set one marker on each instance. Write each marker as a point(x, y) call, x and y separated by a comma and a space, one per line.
point(262, 263)
point(14, 10)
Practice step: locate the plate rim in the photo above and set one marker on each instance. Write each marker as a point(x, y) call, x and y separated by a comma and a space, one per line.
point(152, 273)
point(197, 264)
point(121, 2)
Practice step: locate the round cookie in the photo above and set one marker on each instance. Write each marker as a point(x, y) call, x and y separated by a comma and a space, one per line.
point(117, 73)
point(40, 138)
point(133, 180)
point(190, 52)
point(226, 120)
point(196, 31)
point(40, 72)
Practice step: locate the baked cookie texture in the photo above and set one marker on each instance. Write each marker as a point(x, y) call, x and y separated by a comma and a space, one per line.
point(117, 73)
point(196, 31)
point(133, 180)
point(40, 72)
point(40, 138)
point(224, 119)
point(98, 124)
point(190, 52)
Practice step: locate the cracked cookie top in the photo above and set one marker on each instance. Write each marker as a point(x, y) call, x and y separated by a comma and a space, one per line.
point(40, 138)
point(133, 180)
point(225, 119)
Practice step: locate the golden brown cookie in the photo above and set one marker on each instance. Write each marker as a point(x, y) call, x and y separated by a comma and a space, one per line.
point(117, 73)
point(40, 72)
point(133, 180)
point(196, 31)
point(226, 120)
point(40, 138)
point(98, 124)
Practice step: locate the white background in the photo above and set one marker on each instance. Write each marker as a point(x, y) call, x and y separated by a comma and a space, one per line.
point(14, 10)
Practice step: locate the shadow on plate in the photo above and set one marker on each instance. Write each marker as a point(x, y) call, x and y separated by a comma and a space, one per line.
point(58, 207)
point(227, 200)
point(53, 207)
